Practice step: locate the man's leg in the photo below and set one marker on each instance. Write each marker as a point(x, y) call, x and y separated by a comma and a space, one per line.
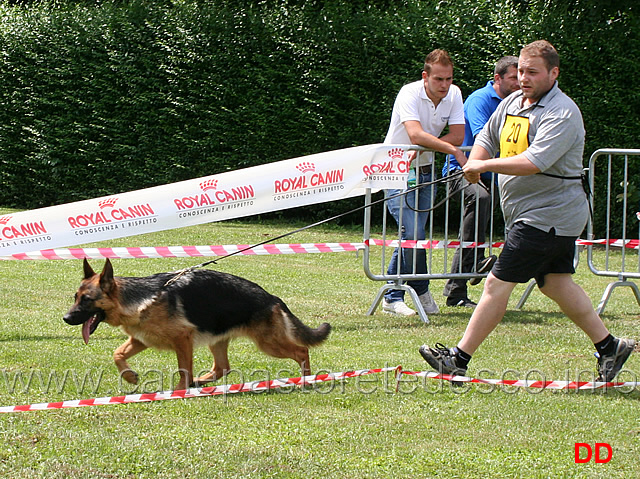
point(402, 260)
point(416, 225)
point(393, 205)
point(455, 289)
point(488, 314)
point(575, 303)
point(476, 213)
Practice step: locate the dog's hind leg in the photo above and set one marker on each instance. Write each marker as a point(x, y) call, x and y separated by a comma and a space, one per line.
point(280, 347)
point(301, 356)
point(129, 348)
point(221, 364)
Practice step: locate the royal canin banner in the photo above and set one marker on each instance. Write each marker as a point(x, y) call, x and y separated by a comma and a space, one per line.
point(275, 186)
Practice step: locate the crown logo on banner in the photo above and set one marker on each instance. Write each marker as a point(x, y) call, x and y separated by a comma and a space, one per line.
point(396, 153)
point(305, 167)
point(211, 184)
point(107, 203)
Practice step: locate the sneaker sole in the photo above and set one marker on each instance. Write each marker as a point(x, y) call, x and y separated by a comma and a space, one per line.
point(435, 364)
point(462, 304)
point(624, 355)
point(399, 314)
point(485, 268)
point(429, 358)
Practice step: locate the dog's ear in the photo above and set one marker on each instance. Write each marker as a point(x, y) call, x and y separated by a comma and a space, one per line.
point(88, 270)
point(107, 284)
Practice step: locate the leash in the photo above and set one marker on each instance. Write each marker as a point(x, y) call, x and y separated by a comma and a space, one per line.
point(449, 177)
point(444, 179)
point(584, 178)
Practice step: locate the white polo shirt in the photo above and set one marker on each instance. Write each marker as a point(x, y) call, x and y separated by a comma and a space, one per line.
point(412, 103)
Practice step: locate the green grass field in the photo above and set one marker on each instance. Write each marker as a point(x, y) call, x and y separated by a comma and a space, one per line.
point(359, 428)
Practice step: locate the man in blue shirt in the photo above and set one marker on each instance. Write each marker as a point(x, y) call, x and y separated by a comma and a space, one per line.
point(478, 108)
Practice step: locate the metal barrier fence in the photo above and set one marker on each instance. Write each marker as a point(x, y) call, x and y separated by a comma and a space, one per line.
point(437, 267)
point(619, 199)
point(376, 262)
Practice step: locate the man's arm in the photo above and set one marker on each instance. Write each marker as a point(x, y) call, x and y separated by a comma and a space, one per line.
point(480, 161)
point(455, 135)
point(446, 144)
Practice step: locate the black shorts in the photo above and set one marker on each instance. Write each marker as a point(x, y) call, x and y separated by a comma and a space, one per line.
point(531, 253)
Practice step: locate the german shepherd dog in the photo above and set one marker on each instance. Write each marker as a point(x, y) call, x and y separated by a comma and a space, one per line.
point(179, 311)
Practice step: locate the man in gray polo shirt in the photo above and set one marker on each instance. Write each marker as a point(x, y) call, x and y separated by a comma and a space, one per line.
point(540, 135)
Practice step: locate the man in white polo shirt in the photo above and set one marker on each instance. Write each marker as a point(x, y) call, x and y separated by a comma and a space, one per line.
point(420, 113)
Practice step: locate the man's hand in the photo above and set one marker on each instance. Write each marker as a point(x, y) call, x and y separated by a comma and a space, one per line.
point(472, 170)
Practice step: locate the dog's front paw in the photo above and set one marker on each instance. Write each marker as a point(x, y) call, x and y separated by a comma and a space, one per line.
point(130, 376)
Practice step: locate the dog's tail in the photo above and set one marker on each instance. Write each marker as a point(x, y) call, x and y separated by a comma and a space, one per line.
point(302, 334)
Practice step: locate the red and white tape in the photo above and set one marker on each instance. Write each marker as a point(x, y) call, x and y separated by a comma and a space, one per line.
point(526, 383)
point(254, 386)
point(261, 386)
point(431, 244)
point(183, 251)
point(267, 249)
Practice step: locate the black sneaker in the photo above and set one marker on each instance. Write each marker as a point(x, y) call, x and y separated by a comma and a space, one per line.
point(461, 302)
point(442, 359)
point(611, 364)
point(482, 267)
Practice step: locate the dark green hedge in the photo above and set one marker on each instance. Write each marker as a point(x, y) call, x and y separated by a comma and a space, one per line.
point(104, 97)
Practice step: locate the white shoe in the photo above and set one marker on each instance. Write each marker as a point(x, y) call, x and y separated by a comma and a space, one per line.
point(428, 304)
point(397, 307)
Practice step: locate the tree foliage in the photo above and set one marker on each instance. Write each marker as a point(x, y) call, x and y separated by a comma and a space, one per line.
point(100, 97)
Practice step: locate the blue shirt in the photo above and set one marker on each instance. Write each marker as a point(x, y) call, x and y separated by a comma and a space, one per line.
point(478, 108)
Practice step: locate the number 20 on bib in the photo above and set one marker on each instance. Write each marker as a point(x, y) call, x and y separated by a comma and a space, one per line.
point(514, 138)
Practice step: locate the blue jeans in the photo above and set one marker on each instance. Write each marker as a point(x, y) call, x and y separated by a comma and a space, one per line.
point(413, 227)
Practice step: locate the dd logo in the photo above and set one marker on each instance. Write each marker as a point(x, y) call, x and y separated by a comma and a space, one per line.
point(590, 452)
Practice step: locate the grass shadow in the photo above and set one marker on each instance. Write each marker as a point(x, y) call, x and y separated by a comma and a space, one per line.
point(17, 336)
point(532, 317)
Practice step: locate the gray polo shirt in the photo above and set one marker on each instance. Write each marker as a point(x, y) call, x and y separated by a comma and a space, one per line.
point(555, 146)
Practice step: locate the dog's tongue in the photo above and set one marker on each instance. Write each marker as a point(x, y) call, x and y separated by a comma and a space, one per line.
point(86, 329)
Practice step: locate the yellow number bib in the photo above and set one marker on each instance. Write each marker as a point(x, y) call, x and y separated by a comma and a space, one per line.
point(514, 138)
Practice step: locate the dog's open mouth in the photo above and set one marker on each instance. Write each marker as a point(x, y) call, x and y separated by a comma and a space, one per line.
point(90, 325)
